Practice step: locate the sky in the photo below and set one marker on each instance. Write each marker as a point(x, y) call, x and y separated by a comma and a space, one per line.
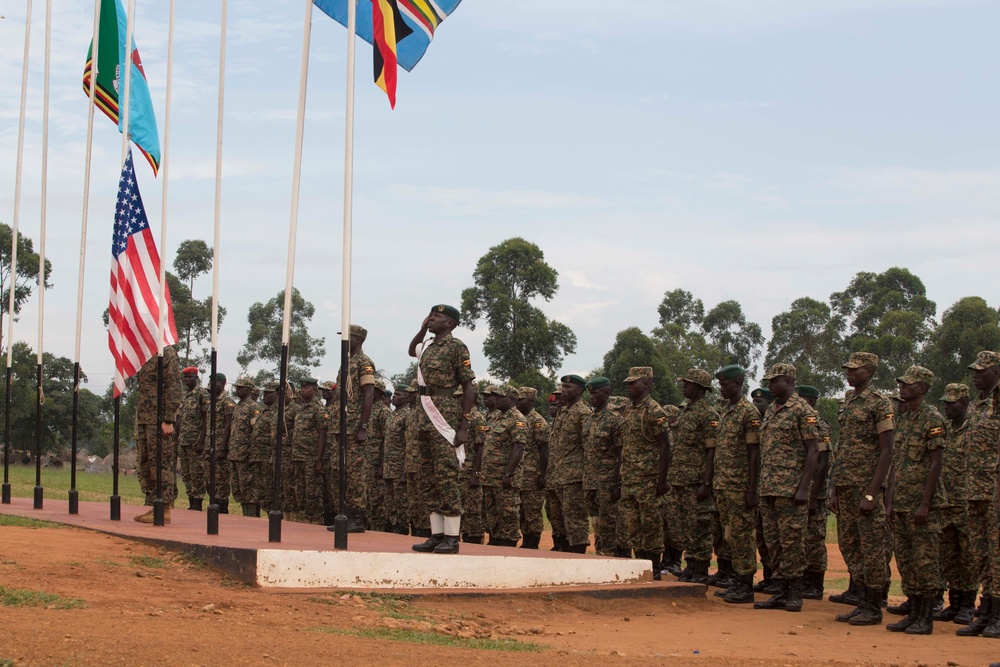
point(757, 150)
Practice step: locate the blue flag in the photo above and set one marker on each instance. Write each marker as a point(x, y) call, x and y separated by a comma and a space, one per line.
point(422, 16)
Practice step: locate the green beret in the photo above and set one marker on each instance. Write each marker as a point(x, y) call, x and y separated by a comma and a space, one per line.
point(575, 379)
point(807, 391)
point(597, 383)
point(761, 393)
point(450, 311)
point(309, 381)
point(219, 377)
point(730, 372)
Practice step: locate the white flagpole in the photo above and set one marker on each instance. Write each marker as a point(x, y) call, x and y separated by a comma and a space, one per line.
point(274, 515)
point(123, 106)
point(13, 251)
point(164, 176)
point(94, 50)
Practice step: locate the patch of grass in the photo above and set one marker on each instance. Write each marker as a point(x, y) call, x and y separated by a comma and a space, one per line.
point(72, 563)
point(23, 522)
point(229, 582)
point(21, 597)
point(107, 563)
point(434, 639)
point(190, 559)
point(6, 662)
point(841, 583)
point(148, 561)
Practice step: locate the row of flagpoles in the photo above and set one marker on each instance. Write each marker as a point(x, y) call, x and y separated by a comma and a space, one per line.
point(140, 317)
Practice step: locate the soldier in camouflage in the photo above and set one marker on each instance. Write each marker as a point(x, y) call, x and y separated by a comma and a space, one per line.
point(761, 399)
point(473, 517)
point(312, 467)
point(360, 379)
point(417, 494)
point(816, 557)
point(148, 420)
point(673, 558)
point(192, 425)
point(225, 408)
point(377, 516)
point(601, 450)
point(536, 455)
point(393, 458)
point(570, 523)
point(241, 472)
point(501, 472)
point(262, 440)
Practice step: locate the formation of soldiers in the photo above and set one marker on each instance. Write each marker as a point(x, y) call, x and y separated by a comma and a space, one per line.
point(743, 479)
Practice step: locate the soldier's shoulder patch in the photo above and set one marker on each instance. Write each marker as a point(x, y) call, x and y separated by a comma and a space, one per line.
point(890, 416)
point(661, 420)
point(713, 424)
point(755, 422)
point(519, 424)
point(936, 431)
point(483, 428)
point(467, 362)
point(539, 424)
point(826, 439)
point(812, 420)
point(369, 370)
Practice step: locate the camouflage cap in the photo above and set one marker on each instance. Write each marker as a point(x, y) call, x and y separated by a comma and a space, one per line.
point(916, 374)
point(777, 370)
point(638, 373)
point(270, 386)
point(380, 385)
point(807, 391)
point(412, 387)
point(492, 390)
point(859, 359)
point(309, 381)
point(984, 360)
point(597, 383)
point(527, 392)
point(731, 372)
point(697, 376)
point(244, 381)
point(359, 331)
point(954, 392)
point(557, 391)
point(761, 393)
point(327, 385)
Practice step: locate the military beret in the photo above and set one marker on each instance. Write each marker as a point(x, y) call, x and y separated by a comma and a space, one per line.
point(597, 383)
point(697, 376)
point(859, 359)
point(572, 378)
point(807, 391)
point(553, 397)
point(638, 373)
point(955, 391)
point(191, 370)
point(450, 311)
point(984, 360)
point(527, 392)
point(777, 370)
point(219, 377)
point(761, 393)
point(309, 381)
point(916, 374)
point(730, 372)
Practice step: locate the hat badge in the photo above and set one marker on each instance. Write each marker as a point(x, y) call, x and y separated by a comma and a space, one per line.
point(440, 309)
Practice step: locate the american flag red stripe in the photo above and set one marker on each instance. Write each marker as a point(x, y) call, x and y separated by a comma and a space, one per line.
point(133, 312)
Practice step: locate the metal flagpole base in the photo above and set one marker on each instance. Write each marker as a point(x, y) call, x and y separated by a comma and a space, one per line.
point(158, 518)
point(39, 493)
point(74, 502)
point(116, 508)
point(340, 532)
point(213, 518)
point(274, 526)
point(6, 493)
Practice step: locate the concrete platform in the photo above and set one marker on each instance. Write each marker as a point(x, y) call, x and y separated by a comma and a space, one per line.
point(306, 559)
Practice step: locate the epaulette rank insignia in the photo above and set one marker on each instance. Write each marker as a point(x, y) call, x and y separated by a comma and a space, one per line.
point(660, 420)
point(713, 424)
point(467, 363)
point(936, 431)
point(755, 422)
point(520, 424)
point(811, 420)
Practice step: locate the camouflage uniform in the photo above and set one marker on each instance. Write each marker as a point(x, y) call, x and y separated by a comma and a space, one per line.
point(225, 407)
point(673, 414)
point(739, 427)
point(690, 440)
point(376, 512)
point(262, 439)
point(983, 438)
point(816, 556)
point(862, 539)
point(241, 472)
point(289, 500)
point(957, 558)
point(783, 433)
point(146, 427)
point(601, 448)
point(640, 524)
point(565, 476)
point(532, 496)
point(311, 492)
point(393, 474)
point(193, 422)
point(917, 549)
point(417, 494)
point(360, 373)
point(502, 506)
point(473, 511)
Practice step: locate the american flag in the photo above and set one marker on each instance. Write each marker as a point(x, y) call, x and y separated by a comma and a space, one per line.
point(133, 315)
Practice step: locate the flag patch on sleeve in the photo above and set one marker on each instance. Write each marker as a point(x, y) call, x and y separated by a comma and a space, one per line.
point(936, 431)
point(811, 420)
point(467, 362)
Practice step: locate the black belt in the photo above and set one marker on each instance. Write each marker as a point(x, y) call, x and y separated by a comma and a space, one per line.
point(435, 391)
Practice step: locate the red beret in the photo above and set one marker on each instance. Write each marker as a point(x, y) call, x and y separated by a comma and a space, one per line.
point(190, 370)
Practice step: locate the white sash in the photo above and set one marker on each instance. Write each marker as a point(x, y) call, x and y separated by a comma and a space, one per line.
point(437, 419)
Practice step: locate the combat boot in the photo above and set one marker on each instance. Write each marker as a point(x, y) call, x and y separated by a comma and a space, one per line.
point(847, 616)
point(812, 588)
point(577, 548)
point(672, 561)
point(530, 540)
point(422, 532)
point(145, 517)
point(939, 600)
point(966, 608)
point(911, 617)
point(447, 545)
point(901, 609)
point(558, 543)
point(992, 629)
point(224, 506)
point(473, 539)
point(924, 625)
point(623, 552)
point(850, 596)
point(723, 578)
point(245, 509)
point(430, 545)
point(793, 600)
point(688, 571)
point(654, 558)
point(979, 623)
point(951, 611)
point(742, 590)
point(776, 601)
point(355, 520)
point(871, 611)
point(765, 582)
point(191, 502)
point(699, 572)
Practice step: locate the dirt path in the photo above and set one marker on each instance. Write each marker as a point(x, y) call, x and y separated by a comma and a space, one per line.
point(145, 606)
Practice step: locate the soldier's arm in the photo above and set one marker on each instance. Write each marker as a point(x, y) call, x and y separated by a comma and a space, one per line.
point(819, 480)
point(886, 434)
point(519, 435)
point(173, 386)
point(367, 394)
point(808, 471)
point(663, 445)
point(418, 339)
point(933, 475)
point(227, 428)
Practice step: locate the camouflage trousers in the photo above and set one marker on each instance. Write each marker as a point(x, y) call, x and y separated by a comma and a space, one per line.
point(223, 483)
point(474, 522)
point(375, 511)
point(785, 534)
point(640, 519)
point(983, 537)
point(358, 467)
point(417, 505)
point(396, 510)
point(310, 491)
point(690, 522)
point(569, 508)
point(554, 512)
point(442, 491)
point(956, 559)
point(994, 548)
point(531, 512)
point(193, 471)
point(765, 558)
point(288, 497)
point(241, 477)
point(331, 487)
point(917, 551)
point(502, 511)
point(816, 558)
point(738, 525)
point(719, 543)
point(604, 512)
point(665, 515)
point(263, 489)
point(145, 464)
point(862, 539)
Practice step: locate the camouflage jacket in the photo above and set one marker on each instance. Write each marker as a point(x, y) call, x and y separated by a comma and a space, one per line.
point(862, 418)
point(918, 433)
point(566, 445)
point(265, 434)
point(412, 436)
point(642, 425)
point(478, 430)
point(244, 417)
point(508, 430)
point(825, 444)
point(445, 365)
point(193, 416)
point(173, 388)
point(739, 427)
point(360, 373)
point(690, 440)
point(601, 447)
point(538, 437)
point(394, 443)
point(983, 443)
point(225, 406)
point(310, 419)
point(783, 433)
point(955, 467)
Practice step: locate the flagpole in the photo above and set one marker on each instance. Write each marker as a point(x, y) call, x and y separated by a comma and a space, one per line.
point(274, 516)
point(340, 523)
point(74, 495)
point(213, 502)
point(13, 254)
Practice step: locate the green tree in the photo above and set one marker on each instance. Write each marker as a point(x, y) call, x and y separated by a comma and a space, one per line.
point(264, 336)
point(194, 322)
point(193, 259)
point(27, 273)
point(806, 335)
point(886, 313)
point(544, 385)
point(403, 380)
point(521, 337)
point(729, 331)
point(968, 327)
point(634, 348)
point(681, 308)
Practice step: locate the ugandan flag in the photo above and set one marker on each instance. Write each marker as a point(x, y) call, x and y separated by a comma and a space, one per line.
point(388, 28)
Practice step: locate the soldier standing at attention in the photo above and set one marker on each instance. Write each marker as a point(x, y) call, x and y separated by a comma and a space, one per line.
point(864, 454)
point(642, 475)
point(309, 453)
point(501, 472)
point(788, 455)
point(394, 456)
point(244, 417)
point(360, 379)
point(473, 517)
point(536, 450)
point(146, 422)
point(601, 450)
point(376, 441)
point(417, 494)
point(761, 399)
point(692, 466)
point(265, 433)
point(737, 466)
point(957, 560)
point(192, 425)
point(225, 408)
point(568, 506)
point(673, 557)
point(816, 557)
point(442, 426)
